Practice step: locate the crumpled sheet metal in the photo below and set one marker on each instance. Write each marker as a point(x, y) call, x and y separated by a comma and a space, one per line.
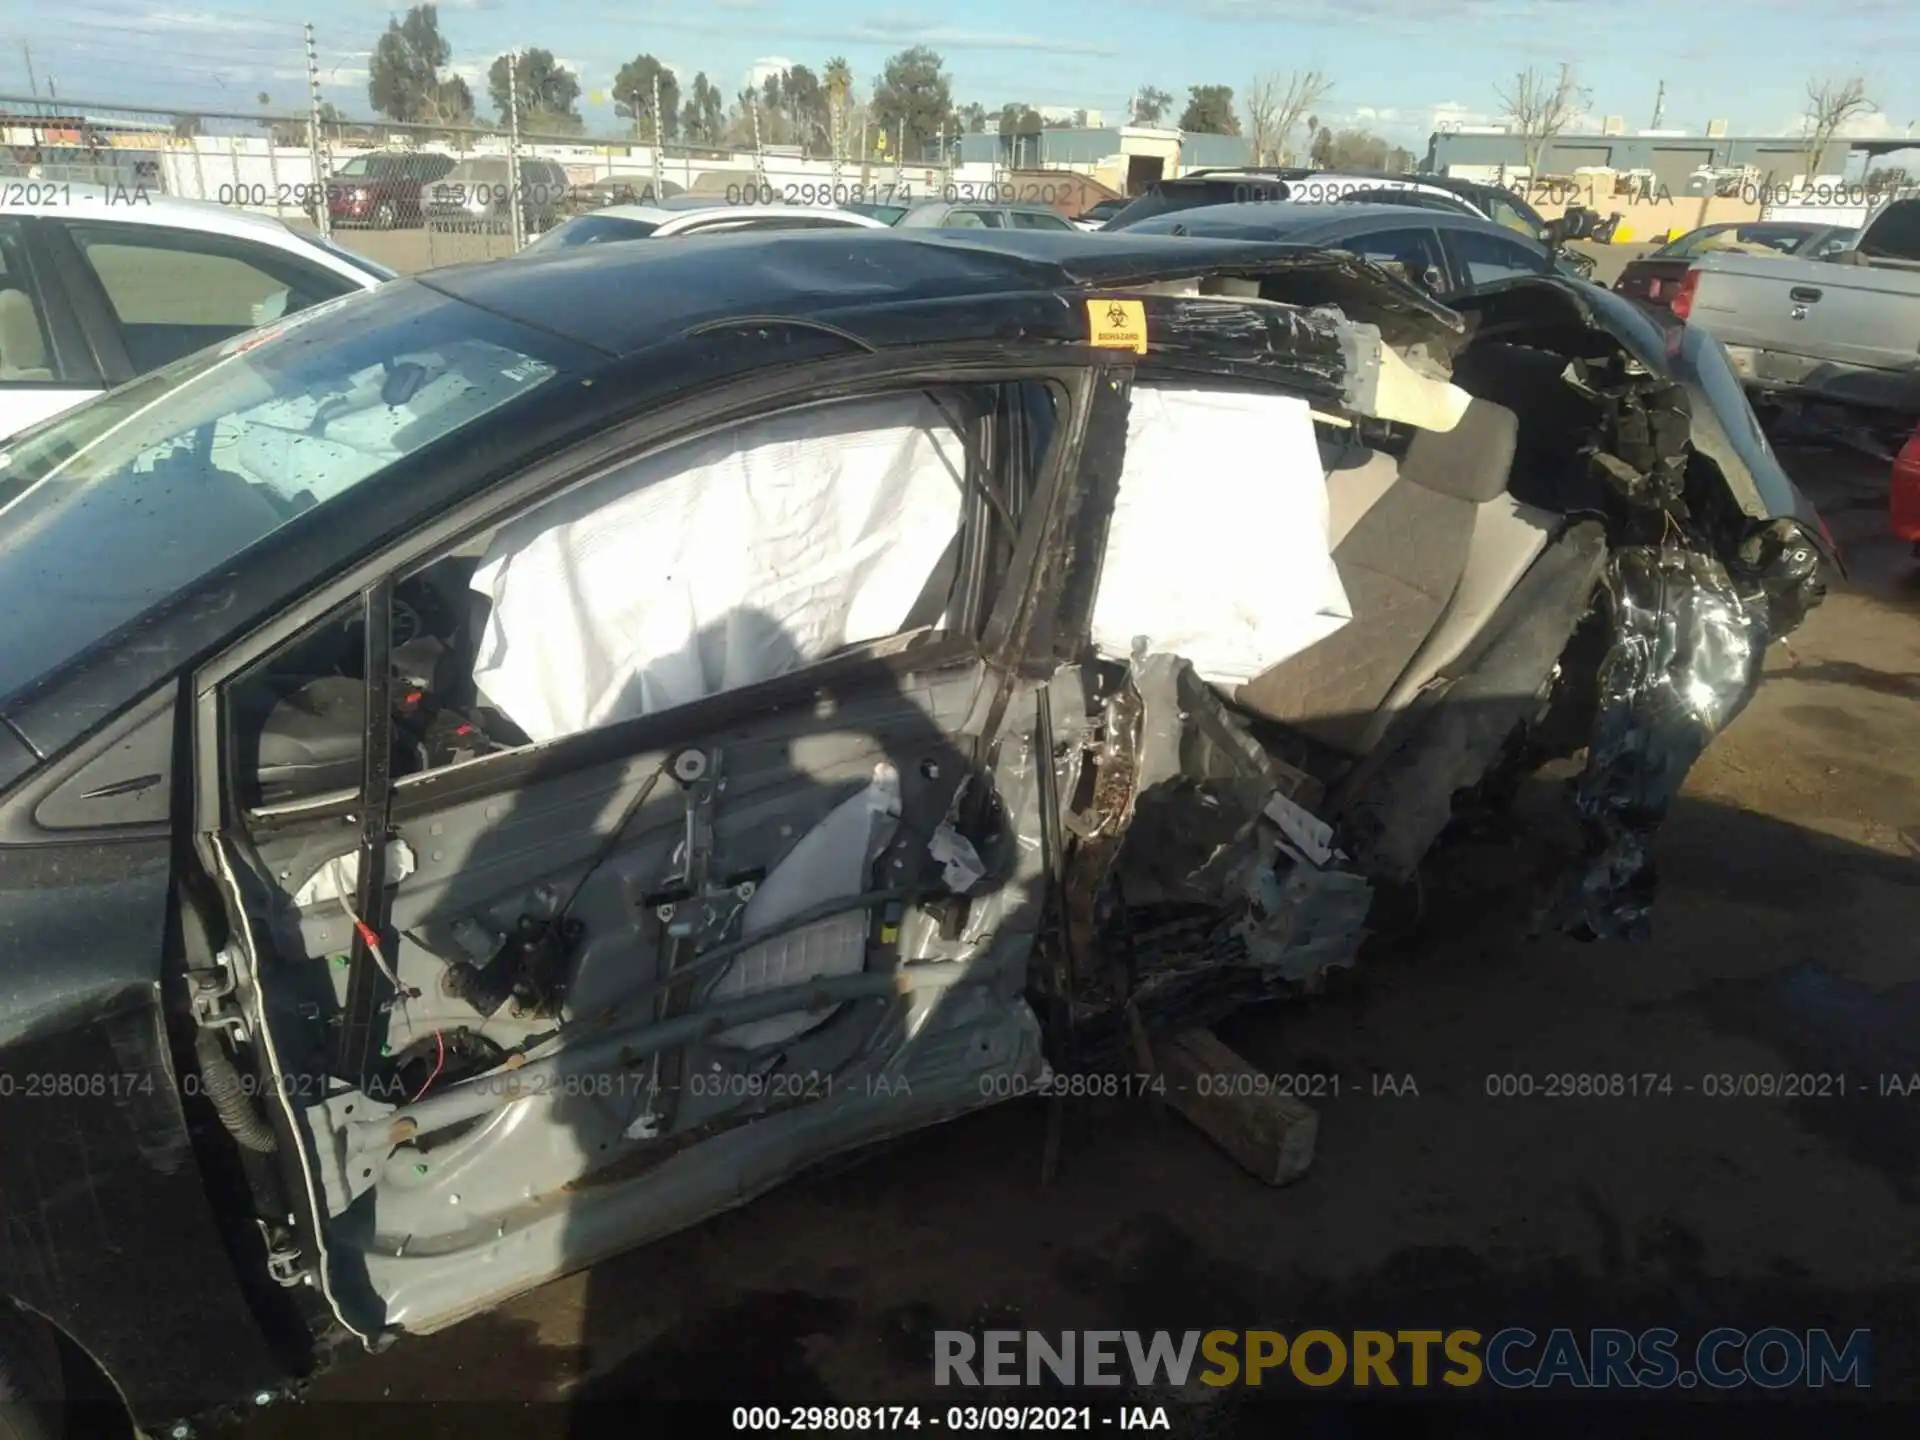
point(1684, 659)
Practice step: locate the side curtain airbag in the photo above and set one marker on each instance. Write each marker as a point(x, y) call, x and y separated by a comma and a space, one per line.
point(723, 562)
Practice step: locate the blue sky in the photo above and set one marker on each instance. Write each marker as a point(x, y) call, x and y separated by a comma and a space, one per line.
point(1397, 65)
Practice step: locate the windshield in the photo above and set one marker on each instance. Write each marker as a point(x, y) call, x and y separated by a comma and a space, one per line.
point(110, 508)
point(359, 165)
point(491, 169)
point(1515, 214)
point(353, 258)
point(590, 230)
point(1746, 239)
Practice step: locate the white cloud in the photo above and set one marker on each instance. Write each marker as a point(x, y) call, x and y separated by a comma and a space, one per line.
point(207, 23)
point(766, 65)
point(1452, 113)
point(1876, 126)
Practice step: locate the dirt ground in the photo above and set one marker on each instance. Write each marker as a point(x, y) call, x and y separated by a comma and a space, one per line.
point(1784, 943)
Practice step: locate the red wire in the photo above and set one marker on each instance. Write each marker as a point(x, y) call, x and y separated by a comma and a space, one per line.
point(440, 1044)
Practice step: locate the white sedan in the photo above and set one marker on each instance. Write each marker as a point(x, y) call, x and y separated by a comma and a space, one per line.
point(98, 285)
point(691, 215)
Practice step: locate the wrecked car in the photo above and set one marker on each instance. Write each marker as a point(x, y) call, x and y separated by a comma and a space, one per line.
point(493, 774)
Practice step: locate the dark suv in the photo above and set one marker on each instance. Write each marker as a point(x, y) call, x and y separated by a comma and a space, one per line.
point(383, 190)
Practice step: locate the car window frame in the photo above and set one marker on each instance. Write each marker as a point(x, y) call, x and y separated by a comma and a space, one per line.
point(1050, 216)
point(215, 788)
point(100, 302)
point(1448, 280)
point(1461, 268)
point(72, 355)
point(1671, 250)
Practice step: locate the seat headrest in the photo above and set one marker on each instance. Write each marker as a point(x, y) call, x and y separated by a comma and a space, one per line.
point(21, 346)
point(1470, 462)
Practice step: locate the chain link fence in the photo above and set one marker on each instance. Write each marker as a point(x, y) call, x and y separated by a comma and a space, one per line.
point(433, 194)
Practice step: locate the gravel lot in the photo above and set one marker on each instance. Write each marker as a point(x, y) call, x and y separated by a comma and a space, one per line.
point(1783, 943)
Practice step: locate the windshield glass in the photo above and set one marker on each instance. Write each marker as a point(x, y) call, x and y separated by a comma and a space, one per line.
point(589, 230)
point(353, 258)
point(1745, 239)
point(110, 508)
point(359, 165)
point(1515, 214)
point(490, 169)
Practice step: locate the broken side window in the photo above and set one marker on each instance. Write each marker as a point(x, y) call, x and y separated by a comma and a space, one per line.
point(745, 554)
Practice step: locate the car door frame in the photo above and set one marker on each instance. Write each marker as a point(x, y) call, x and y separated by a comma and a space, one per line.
point(1382, 226)
point(1012, 640)
point(78, 363)
point(680, 420)
point(1462, 272)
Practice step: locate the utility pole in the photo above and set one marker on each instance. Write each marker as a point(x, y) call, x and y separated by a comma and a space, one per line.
point(899, 152)
point(1660, 105)
point(759, 152)
point(33, 85)
point(317, 141)
point(659, 185)
point(513, 150)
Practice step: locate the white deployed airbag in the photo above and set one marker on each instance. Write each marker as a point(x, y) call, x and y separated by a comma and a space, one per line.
point(1218, 549)
point(722, 562)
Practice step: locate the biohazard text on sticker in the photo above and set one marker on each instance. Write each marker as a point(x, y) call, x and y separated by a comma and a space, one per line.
point(1118, 324)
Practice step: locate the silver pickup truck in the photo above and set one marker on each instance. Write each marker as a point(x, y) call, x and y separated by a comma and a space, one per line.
point(1843, 330)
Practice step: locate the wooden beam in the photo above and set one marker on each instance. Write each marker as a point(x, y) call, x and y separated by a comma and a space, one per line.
point(1271, 1136)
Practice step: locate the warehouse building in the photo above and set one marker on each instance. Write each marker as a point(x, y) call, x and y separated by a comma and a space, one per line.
point(1670, 159)
point(1080, 149)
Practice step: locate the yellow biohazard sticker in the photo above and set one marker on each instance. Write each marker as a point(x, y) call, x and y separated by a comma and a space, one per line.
point(1118, 324)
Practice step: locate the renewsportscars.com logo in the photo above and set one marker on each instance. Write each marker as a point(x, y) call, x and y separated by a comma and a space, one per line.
point(1514, 1359)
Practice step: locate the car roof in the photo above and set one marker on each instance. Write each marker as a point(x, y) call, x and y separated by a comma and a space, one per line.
point(660, 212)
point(1303, 223)
point(142, 205)
point(800, 274)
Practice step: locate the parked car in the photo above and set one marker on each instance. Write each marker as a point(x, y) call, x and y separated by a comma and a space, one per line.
point(497, 773)
point(885, 213)
point(95, 289)
point(384, 190)
point(1445, 253)
point(1321, 187)
point(690, 215)
point(1903, 496)
point(1838, 330)
point(1095, 216)
point(621, 190)
point(476, 194)
point(981, 215)
point(1656, 277)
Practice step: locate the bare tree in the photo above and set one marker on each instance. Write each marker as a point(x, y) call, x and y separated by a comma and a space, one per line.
point(1831, 104)
point(1262, 102)
point(1305, 90)
point(1540, 109)
point(1274, 108)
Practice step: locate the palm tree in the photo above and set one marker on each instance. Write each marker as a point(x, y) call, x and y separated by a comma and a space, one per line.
point(838, 75)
